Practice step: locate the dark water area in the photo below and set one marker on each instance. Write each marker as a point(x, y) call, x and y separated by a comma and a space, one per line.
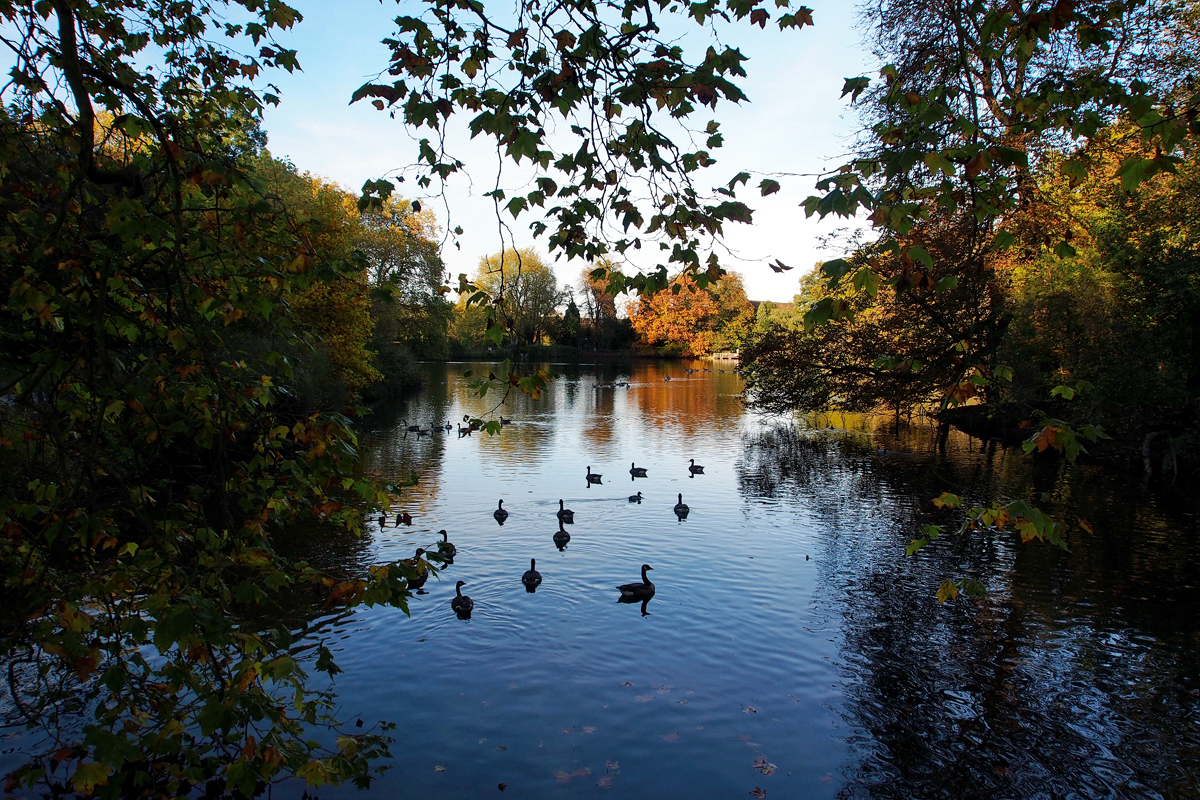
point(791, 646)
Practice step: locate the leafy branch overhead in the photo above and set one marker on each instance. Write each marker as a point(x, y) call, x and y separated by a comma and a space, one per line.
point(587, 95)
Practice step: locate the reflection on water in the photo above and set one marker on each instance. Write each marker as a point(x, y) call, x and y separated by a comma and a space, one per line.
point(791, 645)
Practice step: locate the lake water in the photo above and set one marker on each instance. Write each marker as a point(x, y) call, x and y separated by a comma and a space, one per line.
point(790, 647)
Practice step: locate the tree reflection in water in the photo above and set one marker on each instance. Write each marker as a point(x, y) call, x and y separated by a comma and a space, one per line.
point(1077, 675)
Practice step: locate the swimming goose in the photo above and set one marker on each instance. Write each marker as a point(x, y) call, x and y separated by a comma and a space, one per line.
point(383, 519)
point(681, 509)
point(504, 421)
point(695, 468)
point(500, 514)
point(565, 514)
point(421, 568)
point(643, 590)
point(561, 537)
point(593, 477)
point(406, 518)
point(446, 547)
point(461, 604)
point(636, 471)
point(408, 427)
point(635, 498)
point(532, 577)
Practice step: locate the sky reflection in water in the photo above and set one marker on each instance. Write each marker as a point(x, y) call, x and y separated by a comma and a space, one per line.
point(787, 630)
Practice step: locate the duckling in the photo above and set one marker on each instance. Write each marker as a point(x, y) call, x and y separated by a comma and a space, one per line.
point(635, 498)
point(695, 468)
point(461, 604)
point(639, 591)
point(565, 514)
point(532, 578)
point(446, 547)
point(636, 471)
point(592, 477)
point(681, 509)
point(500, 514)
point(561, 537)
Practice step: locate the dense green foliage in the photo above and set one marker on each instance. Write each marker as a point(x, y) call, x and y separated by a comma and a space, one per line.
point(163, 282)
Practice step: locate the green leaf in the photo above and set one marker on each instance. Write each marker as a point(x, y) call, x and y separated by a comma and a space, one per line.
point(768, 187)
point(918, 253)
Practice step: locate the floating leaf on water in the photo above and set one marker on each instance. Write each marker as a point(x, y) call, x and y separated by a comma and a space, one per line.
point(627, 683)
point(749, 710)
point(758, 792)
point(439, 769)
point(644, 698)
point(501, 747)
point(671, 737)
point(605, 781)
point(827, 777)
point(765, 767)
point(588, 729)
point(502, 786)
point(683, 702)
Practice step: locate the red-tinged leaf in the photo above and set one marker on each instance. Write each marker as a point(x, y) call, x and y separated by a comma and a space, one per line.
point(1087, 526)
point(758, 792)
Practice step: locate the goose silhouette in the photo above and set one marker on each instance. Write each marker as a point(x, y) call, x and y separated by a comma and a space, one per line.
point(561, 537)
point(681, 509)
point(532, 578)
point(446, 547)
point(636, 471)
point(461, 604)
point(635, 498)
point(638, 591)
point(500, 514)
point(695, 468)
point(592, 477)
point(565, 514)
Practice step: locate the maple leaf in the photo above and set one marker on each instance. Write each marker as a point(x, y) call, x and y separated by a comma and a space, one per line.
point(758, 792)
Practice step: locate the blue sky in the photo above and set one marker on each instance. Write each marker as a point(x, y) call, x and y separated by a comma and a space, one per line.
point(795, 123)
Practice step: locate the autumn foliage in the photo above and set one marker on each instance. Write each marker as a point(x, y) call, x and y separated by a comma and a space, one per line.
point(692, 320)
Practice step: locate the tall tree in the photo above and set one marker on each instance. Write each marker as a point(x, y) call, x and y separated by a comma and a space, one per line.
point(525, 290)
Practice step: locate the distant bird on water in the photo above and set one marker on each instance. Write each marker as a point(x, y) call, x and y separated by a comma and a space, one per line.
point(592, 477)
point(695, 468)
point(636, 471)
point(681, 509)
point(635, 498)
point(422, 570)
point(382, 520)
point(461, 604)
point(565, 514)
point(445, 546)
point(561, 537)
point(532, 578)
point(500, 514)
point(639, 591)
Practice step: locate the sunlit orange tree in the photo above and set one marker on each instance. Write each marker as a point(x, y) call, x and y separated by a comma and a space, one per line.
point(687, 320)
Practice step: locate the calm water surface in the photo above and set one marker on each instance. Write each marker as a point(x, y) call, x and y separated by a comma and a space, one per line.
point(788, 631)
point(791, 647)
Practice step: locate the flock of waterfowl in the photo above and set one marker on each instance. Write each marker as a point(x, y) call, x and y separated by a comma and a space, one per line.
point(445, 551)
